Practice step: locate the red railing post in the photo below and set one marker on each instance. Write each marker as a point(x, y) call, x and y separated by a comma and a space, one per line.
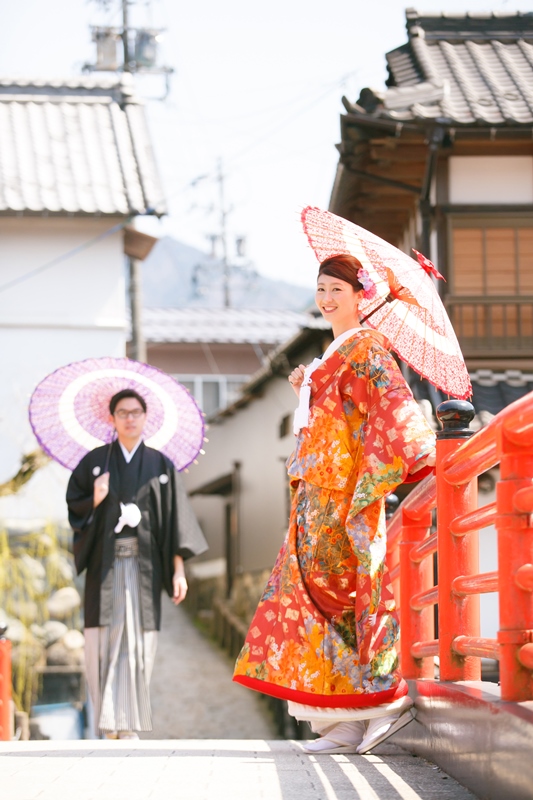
point(5, 686)
point(458, 616)
point(415, 626)
point(515, 555)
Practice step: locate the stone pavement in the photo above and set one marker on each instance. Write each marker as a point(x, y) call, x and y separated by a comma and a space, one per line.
point(213, 770)
point(192, 694)
point(212, 740)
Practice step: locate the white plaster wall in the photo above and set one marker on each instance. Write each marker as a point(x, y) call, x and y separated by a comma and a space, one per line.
point(251, 436)
point(491, 179)
point(72, 311)
point(488, 562)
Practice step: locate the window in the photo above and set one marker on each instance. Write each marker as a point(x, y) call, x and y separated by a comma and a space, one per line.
point(211, 395)
point(491, 299)
point(492, 260)
point(213, 392)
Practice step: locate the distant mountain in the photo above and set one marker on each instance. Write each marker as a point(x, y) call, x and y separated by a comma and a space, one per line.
point(178, 276)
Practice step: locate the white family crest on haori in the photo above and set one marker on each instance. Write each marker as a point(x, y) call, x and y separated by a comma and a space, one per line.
point(69, 410)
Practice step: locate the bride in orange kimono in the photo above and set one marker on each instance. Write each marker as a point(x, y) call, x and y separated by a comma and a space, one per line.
point(325, 632)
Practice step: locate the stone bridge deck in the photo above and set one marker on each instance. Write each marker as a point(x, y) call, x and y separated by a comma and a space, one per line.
point(212, 739)
point(214, 770)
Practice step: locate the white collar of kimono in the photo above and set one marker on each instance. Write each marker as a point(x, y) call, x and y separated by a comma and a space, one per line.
point(301, 415)
point(128, 454)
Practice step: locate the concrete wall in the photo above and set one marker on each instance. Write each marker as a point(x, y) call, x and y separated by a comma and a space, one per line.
point(474, 736)
point(71, 311)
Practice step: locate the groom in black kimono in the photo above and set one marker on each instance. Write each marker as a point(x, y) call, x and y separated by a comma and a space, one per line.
point(133, 529)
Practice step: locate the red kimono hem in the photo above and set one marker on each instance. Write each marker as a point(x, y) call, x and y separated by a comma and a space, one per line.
point(325, 700)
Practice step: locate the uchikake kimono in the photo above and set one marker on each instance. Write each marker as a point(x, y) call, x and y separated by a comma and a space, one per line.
point(168, 527)
point(325, 631)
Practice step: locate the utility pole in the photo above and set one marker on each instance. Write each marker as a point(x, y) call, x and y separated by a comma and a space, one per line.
point(138, 345)
point(126, 36)
point(223, 237)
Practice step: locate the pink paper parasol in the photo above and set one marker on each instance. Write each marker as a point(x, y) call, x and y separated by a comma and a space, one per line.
point(69, 410)
point(406, 306)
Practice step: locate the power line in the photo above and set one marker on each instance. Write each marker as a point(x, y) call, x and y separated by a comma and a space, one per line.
point(32, 273)
point(281, 125)
point(90, 242)
point(213, 175)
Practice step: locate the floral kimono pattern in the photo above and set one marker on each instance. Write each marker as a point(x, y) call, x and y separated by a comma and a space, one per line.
point(326, 627)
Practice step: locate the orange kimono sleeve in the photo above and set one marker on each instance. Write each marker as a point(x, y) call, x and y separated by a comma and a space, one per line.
point(395, 435)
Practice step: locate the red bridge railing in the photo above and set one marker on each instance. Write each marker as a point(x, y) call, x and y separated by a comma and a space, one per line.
point(461, 458)
point(5, 686)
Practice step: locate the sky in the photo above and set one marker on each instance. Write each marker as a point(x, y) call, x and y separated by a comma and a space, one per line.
point(257, 89)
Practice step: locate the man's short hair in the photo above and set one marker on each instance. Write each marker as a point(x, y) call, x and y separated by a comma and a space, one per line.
point(122, 395)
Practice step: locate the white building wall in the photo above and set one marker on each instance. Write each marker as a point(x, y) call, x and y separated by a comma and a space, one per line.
point(251, 437)
point(490, 179)
point(71, 311)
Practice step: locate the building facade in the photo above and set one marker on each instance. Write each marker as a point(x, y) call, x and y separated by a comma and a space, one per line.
point(75, 167)
point(442, 160)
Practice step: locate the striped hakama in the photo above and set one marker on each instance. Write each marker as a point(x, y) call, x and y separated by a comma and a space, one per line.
point(119, 658)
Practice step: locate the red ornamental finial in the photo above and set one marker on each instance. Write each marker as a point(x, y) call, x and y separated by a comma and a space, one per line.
point(427, 265)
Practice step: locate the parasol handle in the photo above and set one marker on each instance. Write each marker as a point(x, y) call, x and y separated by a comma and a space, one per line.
point(108, 455)
point(388, 299)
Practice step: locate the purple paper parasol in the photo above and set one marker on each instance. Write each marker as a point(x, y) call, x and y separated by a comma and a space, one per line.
point(69, 410)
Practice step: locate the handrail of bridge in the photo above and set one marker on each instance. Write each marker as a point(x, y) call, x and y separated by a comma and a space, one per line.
point(5, 685)
point(452, 491)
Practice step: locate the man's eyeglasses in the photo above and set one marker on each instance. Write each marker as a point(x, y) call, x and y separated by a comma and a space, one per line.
point(123, 414)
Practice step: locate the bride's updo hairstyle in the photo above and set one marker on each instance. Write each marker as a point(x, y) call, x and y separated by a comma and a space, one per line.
point(343, 267)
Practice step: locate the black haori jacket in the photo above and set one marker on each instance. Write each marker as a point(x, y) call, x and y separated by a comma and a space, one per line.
point(168, 527)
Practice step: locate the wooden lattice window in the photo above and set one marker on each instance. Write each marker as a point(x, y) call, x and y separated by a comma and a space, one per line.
point(491, 282)
point(493, 260)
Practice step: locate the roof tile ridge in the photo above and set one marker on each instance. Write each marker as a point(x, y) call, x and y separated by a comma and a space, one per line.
point(526, 50)
point(34, 133)
point(460, 76)
point(68, 198)
point(423, 57)
point(486, 73)
point(18, 159)
point(43, 99)
point(147, 170)
point(420, 111)
point(93, 158)
point(524, 88)
point(117, 121)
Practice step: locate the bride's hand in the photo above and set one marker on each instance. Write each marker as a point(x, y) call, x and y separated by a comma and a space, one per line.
point(296, 377)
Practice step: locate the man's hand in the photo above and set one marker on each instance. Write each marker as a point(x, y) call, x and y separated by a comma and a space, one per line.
point(101, 488)
point(179, 581)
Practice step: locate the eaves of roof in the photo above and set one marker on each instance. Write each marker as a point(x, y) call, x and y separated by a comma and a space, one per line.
point(387, 137)
point(469, 70)
point(75, 147)
point(220, 325)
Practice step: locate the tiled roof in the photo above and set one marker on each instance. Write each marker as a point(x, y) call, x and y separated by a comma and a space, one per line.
point(464, 69)
point(78, 146)
point(222, 325)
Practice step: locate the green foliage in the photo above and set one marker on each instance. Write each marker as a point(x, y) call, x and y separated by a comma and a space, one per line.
point(32, 567)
